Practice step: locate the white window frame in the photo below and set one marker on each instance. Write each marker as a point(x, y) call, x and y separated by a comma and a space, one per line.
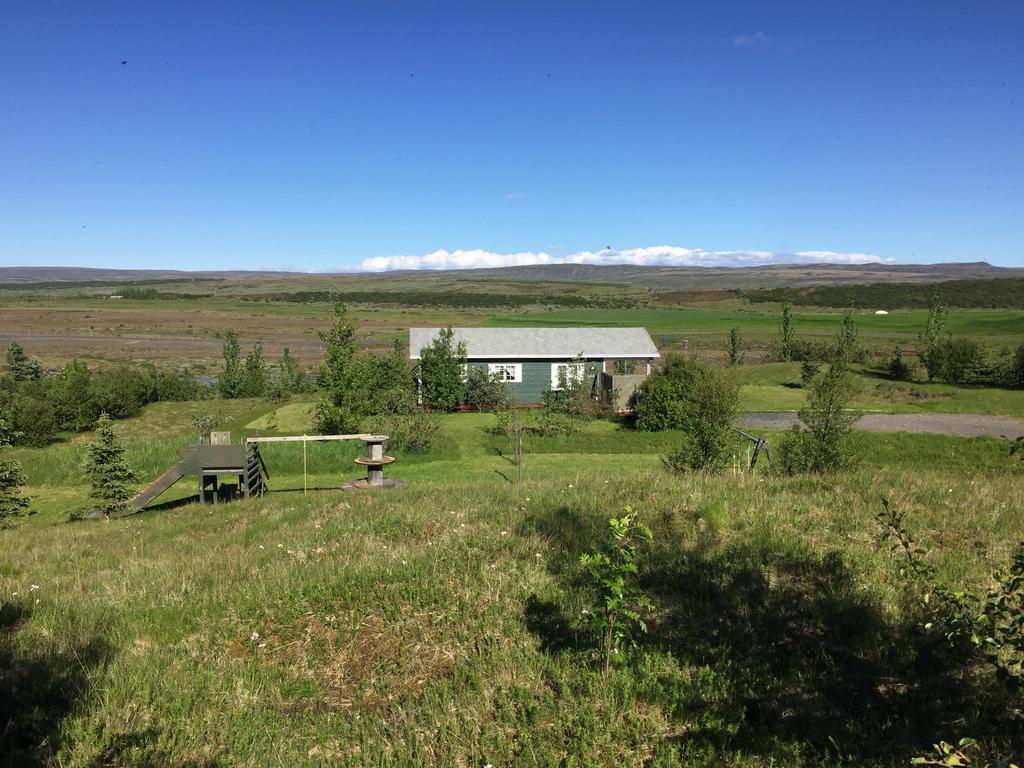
point(578, 371)
point(516, 369)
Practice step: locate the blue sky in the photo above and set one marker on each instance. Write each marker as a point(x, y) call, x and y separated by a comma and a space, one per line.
point(325, 136)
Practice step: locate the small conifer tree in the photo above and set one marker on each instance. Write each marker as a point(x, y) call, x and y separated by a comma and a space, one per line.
point(13, 502)
point(107, 470)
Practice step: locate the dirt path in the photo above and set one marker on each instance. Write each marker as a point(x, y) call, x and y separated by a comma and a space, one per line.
point(958, 424)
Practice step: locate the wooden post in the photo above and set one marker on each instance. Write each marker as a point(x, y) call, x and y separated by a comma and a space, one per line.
point(519, 449)
point(303, 467)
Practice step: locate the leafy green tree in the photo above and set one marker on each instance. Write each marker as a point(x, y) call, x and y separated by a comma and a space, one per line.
point(75, 405)
point(230, 381)
point(20, 366)
point(289, 376)
point(13, 502)
point(442, 382)
point(847, 349)
point(106, 468)
point(254, 374)
point(711, 405)
point(660, 402)
point(34, 416)
point(618, 606)
point(701, 401)
point(391, 386)
point(825, 445)
point(930, 338)
point(735, 347)
point(786, 334)
point(120, 392)
point(343, 378)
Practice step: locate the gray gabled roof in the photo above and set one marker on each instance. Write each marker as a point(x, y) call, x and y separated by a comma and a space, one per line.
point(553, 343)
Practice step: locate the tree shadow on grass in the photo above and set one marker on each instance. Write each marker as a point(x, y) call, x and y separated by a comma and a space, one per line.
point(40, 686)
point(805, 655)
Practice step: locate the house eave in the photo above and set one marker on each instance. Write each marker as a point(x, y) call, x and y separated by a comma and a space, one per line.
point(595, 356)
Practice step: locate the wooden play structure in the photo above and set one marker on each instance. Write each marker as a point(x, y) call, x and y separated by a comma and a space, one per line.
point(211, 460)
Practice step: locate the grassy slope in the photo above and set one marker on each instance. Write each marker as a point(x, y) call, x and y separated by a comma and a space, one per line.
point(431, 626)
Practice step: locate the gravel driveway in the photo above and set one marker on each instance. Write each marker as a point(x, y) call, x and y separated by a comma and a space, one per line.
point(959, 424)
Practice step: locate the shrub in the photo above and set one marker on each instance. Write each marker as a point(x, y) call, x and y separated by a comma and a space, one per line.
point(825, 445)
point(486, 391)
point(73, 397)
point(808, 371)
point(1015, 370)
point(660, 403)
point(120, 392)
point(107, 470)
point(34, 417)
point(992, 626)
point(390, 386)
point(441, 371)
point(412, 432)
point(703, 402)
point(713, 407)
point(207, 422)
point(898, 368)
point(958, 360)
point(619, 605)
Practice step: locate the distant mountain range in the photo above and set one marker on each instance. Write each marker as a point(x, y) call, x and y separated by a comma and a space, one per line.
point(666, 278)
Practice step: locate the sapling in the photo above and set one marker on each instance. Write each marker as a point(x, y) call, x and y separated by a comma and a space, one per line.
point(619, 605)
point(13, 502)
point(108, 472)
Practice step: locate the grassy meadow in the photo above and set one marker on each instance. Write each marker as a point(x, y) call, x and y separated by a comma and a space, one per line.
point(435, 625)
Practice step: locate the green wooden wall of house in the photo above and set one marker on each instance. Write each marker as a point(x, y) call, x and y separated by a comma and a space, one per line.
point(536, 376)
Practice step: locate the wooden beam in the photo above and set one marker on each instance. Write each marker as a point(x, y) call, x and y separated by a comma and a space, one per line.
point(306, 438)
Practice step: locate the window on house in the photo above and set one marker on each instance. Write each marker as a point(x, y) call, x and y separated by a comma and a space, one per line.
point(564, 374)
point(509, 372)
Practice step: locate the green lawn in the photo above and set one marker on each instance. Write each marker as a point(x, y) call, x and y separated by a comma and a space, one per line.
point(776, 387)
point(434, 626)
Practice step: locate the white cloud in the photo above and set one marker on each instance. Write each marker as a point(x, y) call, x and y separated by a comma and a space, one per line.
point(749, 41)
point(652, 256)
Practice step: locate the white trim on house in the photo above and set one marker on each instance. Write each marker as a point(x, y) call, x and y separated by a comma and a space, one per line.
point(564, 370)
point(512, 372)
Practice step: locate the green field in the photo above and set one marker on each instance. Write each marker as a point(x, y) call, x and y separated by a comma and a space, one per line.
point(437, 625)
point(433, 625)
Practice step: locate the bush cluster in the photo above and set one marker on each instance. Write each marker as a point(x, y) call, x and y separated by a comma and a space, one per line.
point(38, 403)
point(701, 401)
